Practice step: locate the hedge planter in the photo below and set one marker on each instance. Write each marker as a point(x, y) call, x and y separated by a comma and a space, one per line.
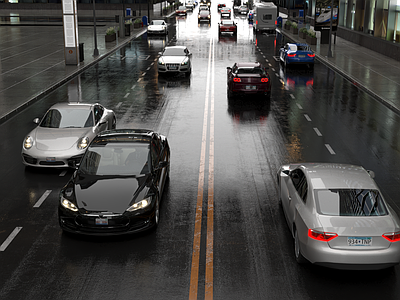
point(287, 26)
point(111, 37)
point(294, 30)
point(311, 40)
point(137, 25)
point(302, 35)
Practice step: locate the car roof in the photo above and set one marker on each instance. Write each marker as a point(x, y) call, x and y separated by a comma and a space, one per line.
point(333, 175)
point(248, 64)
point(74, 105)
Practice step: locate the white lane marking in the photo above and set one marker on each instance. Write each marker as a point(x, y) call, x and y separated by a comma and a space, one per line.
point(307, 117)
point(41, 200)
point(277, 75)
point(293, 97)
point(148, 68)
point(126, 95)
point(144, 74)
point(10, 238)
point(317, 131)
point(118, 105)
point(140, 79)
point(269, 65)
point(273, 70)
point(330, 149)
point(63, 173)
point(133, 87)
point(299, 106)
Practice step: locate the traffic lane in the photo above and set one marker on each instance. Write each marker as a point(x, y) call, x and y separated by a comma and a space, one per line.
point(304, 145)
point(83, 88)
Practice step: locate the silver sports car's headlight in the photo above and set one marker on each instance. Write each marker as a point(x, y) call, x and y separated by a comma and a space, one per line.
point(185, 61)
point(83, 143)
point(140, 204)
point(68, 204)
point(28, 142)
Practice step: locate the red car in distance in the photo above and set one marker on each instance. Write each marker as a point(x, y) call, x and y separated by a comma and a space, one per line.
point(248, 78)
point(227, 26)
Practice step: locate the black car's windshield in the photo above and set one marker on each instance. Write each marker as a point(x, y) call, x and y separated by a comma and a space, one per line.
point(174, 52)
point(68, 118)
point(350, 202)
point(116, 159)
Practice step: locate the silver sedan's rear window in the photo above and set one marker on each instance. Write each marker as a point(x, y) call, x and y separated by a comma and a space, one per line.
point(350, 202)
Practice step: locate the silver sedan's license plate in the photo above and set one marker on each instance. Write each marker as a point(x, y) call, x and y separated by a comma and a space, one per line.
point(101, 221)
point(359, 241)
point(251, 87)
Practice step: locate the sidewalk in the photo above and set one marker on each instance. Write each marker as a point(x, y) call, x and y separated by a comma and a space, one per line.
point(32, 61)
point(375, 74)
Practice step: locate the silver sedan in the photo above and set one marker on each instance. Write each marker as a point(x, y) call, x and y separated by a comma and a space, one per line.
point(175, 59)
point(338, 217)
point(63, 134)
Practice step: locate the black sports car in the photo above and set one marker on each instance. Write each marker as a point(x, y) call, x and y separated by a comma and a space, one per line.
point(118, 186)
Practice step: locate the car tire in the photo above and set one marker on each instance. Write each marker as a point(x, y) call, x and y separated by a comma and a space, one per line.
point(187, 74)
point(230, 94)
point(114, 124)
point(297, 251)
point(156, 219)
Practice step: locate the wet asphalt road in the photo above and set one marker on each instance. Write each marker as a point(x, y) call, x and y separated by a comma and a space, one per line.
point(222, 234)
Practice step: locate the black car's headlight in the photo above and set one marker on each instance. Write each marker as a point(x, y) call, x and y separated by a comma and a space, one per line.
point(68, 204)
point(28, 142)
point(83, 143)
point(139, 205)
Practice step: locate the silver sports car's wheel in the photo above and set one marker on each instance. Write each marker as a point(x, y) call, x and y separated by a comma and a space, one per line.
point(297, 252)
point(114, 124)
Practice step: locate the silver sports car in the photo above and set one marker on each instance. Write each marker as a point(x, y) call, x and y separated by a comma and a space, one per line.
point(63, 134)
point(175, 59)
point(157, 27)
point(338, 217)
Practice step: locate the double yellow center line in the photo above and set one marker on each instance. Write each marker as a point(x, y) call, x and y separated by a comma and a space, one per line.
point(208, 125)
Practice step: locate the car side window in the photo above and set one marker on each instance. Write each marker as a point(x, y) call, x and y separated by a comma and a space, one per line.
point(98, 113)
point(155, 152)
point(300, 183)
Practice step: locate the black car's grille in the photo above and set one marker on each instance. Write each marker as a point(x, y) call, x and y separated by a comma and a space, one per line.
point(29, 159)
point(51, 163)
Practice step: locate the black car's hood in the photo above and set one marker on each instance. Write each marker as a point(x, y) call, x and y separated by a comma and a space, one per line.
point(109, 194)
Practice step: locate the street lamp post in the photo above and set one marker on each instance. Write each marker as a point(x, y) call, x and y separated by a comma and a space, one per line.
point(330, 33)
point(96, 51)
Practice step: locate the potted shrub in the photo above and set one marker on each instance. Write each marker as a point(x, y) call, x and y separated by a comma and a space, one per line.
point(128, 27)
point(293, 28)
point(303, 32)
point(288, 24)
point(311, 37)
point(110, 34)
point(137, 23)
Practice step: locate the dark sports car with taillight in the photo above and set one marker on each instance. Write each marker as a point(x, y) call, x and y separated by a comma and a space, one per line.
point(248, 78)
point(118, 186)
point(227, 26)
point(298, 53)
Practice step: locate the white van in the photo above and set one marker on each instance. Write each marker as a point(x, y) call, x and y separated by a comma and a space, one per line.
point(265, 15)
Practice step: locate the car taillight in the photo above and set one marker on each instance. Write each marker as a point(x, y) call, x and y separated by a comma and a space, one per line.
point(256, 22)
point(311, 55)
point(392, 236)
point(236, 79)
point(321, 236)
point(276, 22)
point(292, 55)
point(264, 79)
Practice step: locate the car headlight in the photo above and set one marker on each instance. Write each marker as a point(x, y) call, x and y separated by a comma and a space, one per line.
point(28, 142)
point(185, 62)
point(68, 204)
point(160, 61)
point(139, 205)
point(83, 143)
